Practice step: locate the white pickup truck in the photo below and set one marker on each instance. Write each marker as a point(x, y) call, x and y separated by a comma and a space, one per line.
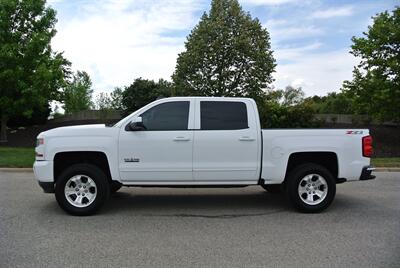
point(198, 142)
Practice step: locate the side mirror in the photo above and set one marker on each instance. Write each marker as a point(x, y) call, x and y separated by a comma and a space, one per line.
point(138, 119)
point(135, 125)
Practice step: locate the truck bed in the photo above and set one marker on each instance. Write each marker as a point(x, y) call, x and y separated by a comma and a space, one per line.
point(280, 144)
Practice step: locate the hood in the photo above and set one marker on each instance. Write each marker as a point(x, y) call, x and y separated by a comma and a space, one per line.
point(81, 130)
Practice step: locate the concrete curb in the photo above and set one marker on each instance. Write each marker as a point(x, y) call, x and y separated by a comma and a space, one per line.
point(378, 169)
point(16, 169)
point(387, 169)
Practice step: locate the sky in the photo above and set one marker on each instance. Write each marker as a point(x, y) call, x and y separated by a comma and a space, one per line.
point(117, 41)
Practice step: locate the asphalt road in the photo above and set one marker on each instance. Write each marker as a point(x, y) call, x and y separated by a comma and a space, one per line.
point(238, 227)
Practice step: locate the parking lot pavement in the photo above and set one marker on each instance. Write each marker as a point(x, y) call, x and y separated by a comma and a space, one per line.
point(235, 227)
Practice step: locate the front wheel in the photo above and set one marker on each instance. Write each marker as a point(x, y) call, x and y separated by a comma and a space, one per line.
point(310, 188)
point(82, 189)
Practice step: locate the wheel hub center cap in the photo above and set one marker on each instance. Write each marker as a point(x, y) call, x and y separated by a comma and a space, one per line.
point(80, 191)
point(312, 189)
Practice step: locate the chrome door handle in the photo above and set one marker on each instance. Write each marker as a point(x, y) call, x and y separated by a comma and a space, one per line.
point(246, 138)
point(181, 139)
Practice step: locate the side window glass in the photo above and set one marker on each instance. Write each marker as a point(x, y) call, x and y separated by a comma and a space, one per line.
point(167, 116)
point(223, 115)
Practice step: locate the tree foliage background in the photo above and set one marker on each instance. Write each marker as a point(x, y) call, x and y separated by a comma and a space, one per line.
point(375, 88)
point(227, 54)
point(142, 92)
point(31, 73)
point(286, 109)
point(332, 103)
point(77, 94)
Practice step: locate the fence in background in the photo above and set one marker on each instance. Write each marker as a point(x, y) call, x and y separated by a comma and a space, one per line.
point(88, 115)
point(350, 119)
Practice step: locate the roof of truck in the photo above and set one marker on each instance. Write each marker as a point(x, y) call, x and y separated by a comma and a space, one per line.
point(211, 98)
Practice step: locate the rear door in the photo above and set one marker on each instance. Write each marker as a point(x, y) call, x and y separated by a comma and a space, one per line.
point(226, 141)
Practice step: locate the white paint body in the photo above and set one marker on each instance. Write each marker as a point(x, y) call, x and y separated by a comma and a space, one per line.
point(200, 157)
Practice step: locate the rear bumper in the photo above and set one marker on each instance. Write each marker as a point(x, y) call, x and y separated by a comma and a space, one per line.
point(366, 173)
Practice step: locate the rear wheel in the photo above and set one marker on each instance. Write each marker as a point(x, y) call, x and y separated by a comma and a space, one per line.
point(82, 189)
point(310, 188)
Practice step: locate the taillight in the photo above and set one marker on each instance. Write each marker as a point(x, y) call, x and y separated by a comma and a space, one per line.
point(367, 149)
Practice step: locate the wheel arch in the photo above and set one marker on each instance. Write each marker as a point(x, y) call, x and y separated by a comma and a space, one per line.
point(62, 160)
point(327, 159)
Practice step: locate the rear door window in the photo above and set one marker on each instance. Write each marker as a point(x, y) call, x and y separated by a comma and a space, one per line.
point(223, 115)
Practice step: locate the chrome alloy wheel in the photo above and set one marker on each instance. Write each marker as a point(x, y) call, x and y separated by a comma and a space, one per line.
point(80, 191)
point(313, 189)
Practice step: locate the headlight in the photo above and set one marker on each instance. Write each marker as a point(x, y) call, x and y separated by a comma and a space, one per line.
point(39, 141)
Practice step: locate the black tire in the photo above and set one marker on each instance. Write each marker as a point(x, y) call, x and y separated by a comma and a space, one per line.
point(115, 186)
point(94, 173)
point(295, 178)
point(272, 188)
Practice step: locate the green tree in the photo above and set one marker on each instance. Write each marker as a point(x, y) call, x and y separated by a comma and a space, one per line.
point(77, 95)
point(286, 109)
point(103, 101)
point(38, 116)
point(375, 88)
point(142, 92)
point(333, 103)
point(116, 99)
point(227, 54)
point(30, 72)
point(292, 96)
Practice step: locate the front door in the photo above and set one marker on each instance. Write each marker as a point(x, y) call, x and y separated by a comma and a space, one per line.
point(163, 151)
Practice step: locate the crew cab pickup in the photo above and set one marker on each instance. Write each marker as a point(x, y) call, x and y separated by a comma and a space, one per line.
point(198, 142)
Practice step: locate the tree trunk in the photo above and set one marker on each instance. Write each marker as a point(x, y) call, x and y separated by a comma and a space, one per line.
point(3, 128)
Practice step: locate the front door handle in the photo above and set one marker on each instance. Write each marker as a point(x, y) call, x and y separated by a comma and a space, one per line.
point(246, 138)
point(180, 138)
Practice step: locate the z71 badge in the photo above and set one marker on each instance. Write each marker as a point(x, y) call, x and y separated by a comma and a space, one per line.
point(354, 132)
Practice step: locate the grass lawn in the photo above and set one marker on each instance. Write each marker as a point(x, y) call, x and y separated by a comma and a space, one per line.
point(386, 162)
point(16, 157)
point(24, 157)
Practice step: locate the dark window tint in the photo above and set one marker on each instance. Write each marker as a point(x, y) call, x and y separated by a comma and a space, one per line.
point(223, 115)
point(167, 116)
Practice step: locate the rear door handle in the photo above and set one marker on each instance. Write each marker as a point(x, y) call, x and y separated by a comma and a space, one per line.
point(246, 138)
point(181, 138)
